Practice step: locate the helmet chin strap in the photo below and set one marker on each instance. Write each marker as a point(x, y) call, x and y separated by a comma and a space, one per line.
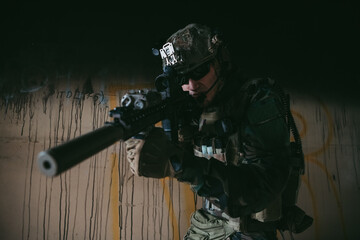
point(212, 86)
point(202, 96)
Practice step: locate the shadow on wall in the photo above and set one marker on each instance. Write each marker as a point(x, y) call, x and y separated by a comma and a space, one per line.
point(101, 199)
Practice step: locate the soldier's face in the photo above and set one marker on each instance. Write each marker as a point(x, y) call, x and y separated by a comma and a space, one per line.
point(199, 88)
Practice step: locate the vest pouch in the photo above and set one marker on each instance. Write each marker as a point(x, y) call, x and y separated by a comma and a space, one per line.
point(271, 213)
point(295, 220)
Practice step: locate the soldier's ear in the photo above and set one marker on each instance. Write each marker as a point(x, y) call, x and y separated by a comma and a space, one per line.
point(217, 36)
point(223, 55)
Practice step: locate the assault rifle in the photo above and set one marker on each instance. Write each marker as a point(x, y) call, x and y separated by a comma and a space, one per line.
point(139, 109)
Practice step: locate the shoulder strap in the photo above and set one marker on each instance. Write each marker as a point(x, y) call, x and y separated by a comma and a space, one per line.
point(296, 147)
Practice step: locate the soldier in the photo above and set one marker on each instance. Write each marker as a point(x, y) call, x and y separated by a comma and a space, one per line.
point(237, 154)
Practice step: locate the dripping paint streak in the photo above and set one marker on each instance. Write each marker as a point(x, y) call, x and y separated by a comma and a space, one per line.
point(162, 207)
point(25, 194)
point(116, 190)
point(155, 205)
point(76, 201)
point(60, 206)
point(132, 207)
point(114, 184)
point(31, 115)
point(48, 222)
point(179, 211)
point(78, 110)
point(44, 216)
point(103, 192)
point(120, 199)
point(127, 207)
point(97, 218)
point(127, 210)
point(171, 214)
point(147, 208)
point(190, 202)
point(38, 208)
point(112, 169)
point(330, 133)
point(69, 205)
point(31, 165)
point(100, 190)
point(355, 161)
point(65, 207)
point(86, 198)
point(23, 101)
point(91, 222)
point(31, 173)
point(157, 194)
point(45, 201)
point(338, 179)
point(168, 198)
point(50, 124)
point(70, 121)
point(57, 129)
point(143, 210)
point(97, 177)
point(335, 192)
point(98, 201)
point(315, 209)
point(123, 171)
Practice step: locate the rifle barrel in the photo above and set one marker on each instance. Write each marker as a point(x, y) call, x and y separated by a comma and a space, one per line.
point(63, 157)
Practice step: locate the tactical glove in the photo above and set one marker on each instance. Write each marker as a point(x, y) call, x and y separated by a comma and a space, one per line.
point(151, 157)
point(133, 148)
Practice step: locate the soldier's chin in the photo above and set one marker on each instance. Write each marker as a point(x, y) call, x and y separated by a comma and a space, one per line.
point(200, 99)
point(195, 95)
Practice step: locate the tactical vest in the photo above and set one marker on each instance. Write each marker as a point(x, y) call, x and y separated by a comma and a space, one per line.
point(220, 138)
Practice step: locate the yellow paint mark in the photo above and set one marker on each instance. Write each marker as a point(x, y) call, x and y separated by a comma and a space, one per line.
point(189, 202)
point(113, 89)
point(171, 209)
point(115, 196)
point(311, 157)
point(188, 196)
point(330, 133)
point(115, 180)
point(333, 187)
point(315, 209)
point(169, 202)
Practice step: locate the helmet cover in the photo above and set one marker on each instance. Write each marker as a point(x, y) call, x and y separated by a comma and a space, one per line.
point(189, 47)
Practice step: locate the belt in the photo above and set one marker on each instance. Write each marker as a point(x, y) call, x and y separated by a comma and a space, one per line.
point(218, 212)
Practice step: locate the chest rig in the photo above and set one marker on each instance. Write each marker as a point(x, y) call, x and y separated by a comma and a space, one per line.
point(218, 133)
point(218, 138)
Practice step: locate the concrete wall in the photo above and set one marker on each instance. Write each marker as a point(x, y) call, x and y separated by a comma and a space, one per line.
point(101, 199)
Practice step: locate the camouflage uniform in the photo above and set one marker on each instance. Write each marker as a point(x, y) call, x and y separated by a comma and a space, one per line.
point(237, 154)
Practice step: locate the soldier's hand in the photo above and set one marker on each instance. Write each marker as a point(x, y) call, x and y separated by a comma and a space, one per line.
point(151, 157)
point(133, 149)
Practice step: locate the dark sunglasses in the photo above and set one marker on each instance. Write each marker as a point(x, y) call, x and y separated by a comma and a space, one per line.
point(199, 72)
point(196, 74)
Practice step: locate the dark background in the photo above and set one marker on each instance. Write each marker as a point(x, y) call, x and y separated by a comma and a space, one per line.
point(309, 46)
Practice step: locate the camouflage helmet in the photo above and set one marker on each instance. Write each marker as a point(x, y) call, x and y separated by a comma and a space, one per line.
point(189, 47)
